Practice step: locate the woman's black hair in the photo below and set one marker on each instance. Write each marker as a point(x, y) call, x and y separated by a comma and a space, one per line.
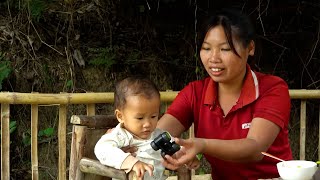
point(235, 24)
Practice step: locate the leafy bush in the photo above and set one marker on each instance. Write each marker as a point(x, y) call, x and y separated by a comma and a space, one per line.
point(103, 57)
point(5, 68)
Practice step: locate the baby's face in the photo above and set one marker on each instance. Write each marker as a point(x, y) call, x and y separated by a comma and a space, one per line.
point(140, 115)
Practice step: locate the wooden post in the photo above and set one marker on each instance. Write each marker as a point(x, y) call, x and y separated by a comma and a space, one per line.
point(77, 142)
point(319, 136)
point(191, 135)
point(5, 141)
point(303, 114)
point(34, 142)
point(184, 173)
point(62, 131)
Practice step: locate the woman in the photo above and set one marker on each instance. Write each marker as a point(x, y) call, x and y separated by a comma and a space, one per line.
point(237, 113)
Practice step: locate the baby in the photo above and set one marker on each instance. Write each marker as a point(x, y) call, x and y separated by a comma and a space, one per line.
point(137, 108)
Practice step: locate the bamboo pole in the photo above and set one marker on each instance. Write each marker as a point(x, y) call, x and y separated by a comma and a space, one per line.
point(5, 141)
point(303, 113)
point(191, 135)
point(107, 97)
point(65, 98)
point(304, 94)
point(62, 129)
point(34, 142)
point(319, 136)
point(91, 109)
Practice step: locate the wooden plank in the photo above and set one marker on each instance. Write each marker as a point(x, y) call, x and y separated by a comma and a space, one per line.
point(303, 114)
point(92, 136)
point(194, 177)
point(34, 142)
point(77, 142)
point(83, 142)
point(5, 141)
point(62, 129)
point(94, 166)
point(97, 121)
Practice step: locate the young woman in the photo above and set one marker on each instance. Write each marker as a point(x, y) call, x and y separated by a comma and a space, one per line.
point(237, 113)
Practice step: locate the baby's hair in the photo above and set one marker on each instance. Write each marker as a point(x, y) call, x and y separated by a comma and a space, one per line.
point(134, 86)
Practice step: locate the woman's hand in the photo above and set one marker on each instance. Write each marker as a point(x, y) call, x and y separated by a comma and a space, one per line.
point(194, 164)
point(130, 149)
point(185, 156)
point(127, 149)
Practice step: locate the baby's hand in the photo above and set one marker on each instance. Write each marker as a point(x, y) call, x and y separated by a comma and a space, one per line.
point(194, 164)
point(140, 167)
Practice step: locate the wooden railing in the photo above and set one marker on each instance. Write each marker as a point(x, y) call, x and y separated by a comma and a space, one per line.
point(91, 99)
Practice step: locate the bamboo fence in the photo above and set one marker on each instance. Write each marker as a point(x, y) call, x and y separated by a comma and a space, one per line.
point(91, 99)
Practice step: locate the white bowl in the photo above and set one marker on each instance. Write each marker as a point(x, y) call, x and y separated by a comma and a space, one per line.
point(296, 169)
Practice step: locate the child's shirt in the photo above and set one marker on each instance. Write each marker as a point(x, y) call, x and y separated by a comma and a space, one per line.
point(108, 152)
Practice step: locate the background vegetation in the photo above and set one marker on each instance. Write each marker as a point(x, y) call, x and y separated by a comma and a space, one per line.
point(53, 46)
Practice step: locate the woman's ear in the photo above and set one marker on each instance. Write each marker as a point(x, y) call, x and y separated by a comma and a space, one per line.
point(251, 48)
point(118, 115)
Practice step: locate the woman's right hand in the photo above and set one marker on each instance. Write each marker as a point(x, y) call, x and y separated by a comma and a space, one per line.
point(127, 149)
point(130, 149)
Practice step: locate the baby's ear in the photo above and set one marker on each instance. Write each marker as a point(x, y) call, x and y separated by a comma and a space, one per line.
point(118, 115)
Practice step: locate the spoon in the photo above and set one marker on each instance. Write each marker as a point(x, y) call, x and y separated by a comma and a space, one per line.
point(272, 156)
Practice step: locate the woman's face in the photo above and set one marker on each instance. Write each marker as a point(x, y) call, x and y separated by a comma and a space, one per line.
point(221, 63)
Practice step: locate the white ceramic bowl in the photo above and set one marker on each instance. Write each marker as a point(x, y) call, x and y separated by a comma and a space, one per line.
point(296, 169)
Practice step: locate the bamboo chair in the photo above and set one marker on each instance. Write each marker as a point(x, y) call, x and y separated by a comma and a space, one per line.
point(86, 131)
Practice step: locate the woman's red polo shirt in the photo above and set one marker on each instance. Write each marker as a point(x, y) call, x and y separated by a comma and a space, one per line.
point(262, 95)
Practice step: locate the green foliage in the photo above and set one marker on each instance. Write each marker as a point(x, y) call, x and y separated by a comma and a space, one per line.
point(199, 70)
point(12, 127)
point(36, 7)
point(43, 135)
point(47, 78)
point(103, 57)
point(69, 84)
point(5, 68)
point(26, 137)
point(133, 57)
point(201, 170)
point(46, 133)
